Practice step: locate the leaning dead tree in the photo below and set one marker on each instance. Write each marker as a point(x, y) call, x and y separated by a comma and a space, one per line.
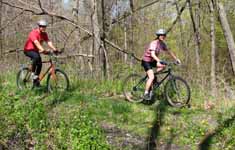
point(1, 43)
point(227, 34)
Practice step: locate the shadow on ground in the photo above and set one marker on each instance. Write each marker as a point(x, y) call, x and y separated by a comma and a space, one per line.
point(206, 142)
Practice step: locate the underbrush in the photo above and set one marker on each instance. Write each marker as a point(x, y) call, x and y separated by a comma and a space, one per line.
point(75, 119)
point(30, 119)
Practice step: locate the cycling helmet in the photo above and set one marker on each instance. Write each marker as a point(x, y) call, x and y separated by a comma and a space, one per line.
point(42, 23)
point(161, 32)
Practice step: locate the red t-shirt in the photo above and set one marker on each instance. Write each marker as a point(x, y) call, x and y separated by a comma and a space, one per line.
point(35, 35)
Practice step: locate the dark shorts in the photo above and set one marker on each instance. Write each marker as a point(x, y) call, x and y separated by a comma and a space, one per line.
point(148, 65)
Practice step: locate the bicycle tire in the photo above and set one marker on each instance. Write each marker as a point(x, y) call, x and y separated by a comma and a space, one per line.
point(177, 92)
point(133, 88)
point(23, 79)
point(61, 83)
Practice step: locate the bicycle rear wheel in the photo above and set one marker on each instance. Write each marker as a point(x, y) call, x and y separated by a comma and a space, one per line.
point(177, 92)
point(133, 88)
point(57, 83)
point(23, 79)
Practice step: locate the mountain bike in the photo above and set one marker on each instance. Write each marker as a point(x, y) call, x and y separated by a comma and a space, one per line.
point(176, 89)
point(57, 79)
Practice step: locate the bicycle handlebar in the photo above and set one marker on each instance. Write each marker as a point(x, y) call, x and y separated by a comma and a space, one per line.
point(53, 53)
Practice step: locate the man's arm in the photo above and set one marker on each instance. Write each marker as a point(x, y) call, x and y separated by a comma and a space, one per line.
point(39, 46)
point(50, 44)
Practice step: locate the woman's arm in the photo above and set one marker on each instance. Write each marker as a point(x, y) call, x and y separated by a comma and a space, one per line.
point(173, 56)
point(154, 56)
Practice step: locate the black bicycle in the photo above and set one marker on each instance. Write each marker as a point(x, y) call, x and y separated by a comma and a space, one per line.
point(176, 89)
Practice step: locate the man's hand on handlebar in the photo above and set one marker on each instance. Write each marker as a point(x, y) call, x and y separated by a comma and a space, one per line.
point(56, 52)
point(46, 52)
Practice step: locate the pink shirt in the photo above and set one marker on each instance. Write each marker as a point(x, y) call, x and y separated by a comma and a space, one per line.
point(157, 46)
point(35, 35)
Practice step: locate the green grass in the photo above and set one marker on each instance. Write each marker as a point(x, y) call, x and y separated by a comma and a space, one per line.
point(74, 120)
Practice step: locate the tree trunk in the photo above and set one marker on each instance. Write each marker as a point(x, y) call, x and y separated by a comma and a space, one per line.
point(1, 40)
point(182, 37)
point(195, 23)
point(80, 60)
point(104, 56)
point(228, 34)
point(125, 41)
point(213, 50)
point(96, 37)
point(99, 53)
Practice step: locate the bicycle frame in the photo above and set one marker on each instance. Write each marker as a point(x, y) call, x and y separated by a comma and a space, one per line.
point(168, 73)
point(50, 69)
point(155, 83)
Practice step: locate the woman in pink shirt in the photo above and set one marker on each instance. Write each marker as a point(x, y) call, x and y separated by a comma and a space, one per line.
point(151, 59)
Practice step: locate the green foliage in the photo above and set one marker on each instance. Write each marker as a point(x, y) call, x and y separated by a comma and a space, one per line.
point(77, 132)
point(26, 120)
point(73, 120)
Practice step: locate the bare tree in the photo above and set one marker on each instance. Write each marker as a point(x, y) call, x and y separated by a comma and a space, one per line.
point(195, 23)
point(1, 43)
point(228, 34)
point(182, 37)
point(213, 50)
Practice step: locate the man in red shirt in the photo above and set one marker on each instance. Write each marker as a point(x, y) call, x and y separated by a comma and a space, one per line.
point(33, 48)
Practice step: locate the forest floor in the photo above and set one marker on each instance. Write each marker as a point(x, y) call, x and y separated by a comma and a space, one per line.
point(125, 125)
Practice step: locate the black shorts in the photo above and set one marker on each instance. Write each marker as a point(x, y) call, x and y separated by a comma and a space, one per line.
point(148, 65)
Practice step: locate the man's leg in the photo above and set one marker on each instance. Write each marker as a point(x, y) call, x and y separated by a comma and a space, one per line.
point(36, 65)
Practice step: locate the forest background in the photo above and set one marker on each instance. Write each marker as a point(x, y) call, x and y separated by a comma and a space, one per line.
point(104, 41)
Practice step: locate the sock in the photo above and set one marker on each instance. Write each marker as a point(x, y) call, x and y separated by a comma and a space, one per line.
point(35, 77)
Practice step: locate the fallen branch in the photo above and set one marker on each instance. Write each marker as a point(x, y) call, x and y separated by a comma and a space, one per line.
point(75, 55)
point(120, 49)
point(12, 51)
point(134, 11)
point(6, 25)
point(178, 17)
point(46, 12)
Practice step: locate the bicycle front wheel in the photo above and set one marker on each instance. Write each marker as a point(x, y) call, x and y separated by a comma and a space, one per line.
point(133, 88)
point(177, 92)
point(23, 79)
point(59, 82)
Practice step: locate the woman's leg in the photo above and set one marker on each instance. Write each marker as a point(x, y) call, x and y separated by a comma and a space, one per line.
point(149, 82)
point(160, 67)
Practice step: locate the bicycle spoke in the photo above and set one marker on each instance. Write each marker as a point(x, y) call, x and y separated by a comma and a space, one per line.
point(59, 83)
point(133, 88)
point(177, 92)
point(23, 79)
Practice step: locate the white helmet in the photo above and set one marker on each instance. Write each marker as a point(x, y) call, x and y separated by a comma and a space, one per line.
point(42, 23)
point(161, 32)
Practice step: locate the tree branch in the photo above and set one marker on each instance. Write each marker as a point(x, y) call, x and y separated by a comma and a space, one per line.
point(178, 17)
point(6, 25)
point(46, 12)
point(134, 11)
point(23, 9)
